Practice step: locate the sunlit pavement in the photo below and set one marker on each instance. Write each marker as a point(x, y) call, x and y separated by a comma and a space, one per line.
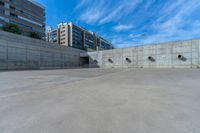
point(100, 101)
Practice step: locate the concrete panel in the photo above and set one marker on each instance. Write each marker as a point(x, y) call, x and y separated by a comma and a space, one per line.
point(184, 49)
point(130, 57)
point(93, 59)
point(3, 52)
point(199, 54)
point(3, 42)
point(164, 55)
point(3, 55)
point(182, 63)
point(16, 54)
point(106, 55)
point(149, 51)
point(118, 58)
point(99, 59)
point(195, 53)
point(28, 53)
point(140, 57)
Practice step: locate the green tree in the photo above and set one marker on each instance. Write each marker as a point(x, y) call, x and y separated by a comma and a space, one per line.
point(35, 35)
point(11, 28)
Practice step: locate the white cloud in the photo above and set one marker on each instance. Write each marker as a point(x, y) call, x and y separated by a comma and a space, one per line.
point(161, 21)
point(122, 27)
point(174, 27)
point(110, 16)
point(104, 11)
point(93, 12)
point(175, 33)
point(123, 41)
point(123, 8)
point(90, 17)
point(82, 3)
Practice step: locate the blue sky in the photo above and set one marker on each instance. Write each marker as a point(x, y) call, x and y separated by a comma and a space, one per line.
point(129, 22)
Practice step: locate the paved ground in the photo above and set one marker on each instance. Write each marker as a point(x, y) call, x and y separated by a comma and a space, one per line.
point(100, 101)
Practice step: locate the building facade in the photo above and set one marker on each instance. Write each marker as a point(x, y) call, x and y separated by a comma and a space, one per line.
point(69, 34)
point(52, 35)
point(29, 15)
point(63, 34)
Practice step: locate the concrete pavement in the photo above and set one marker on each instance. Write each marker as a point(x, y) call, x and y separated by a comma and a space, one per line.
point(100, 101)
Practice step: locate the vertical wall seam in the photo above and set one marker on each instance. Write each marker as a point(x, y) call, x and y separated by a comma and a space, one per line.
point(7, 54)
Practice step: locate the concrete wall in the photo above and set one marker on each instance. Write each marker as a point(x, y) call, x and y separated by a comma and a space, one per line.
point(165, 56)
point(20, 52)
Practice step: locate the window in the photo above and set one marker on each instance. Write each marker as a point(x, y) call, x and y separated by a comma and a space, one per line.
point(62, 31)
point(13, 22)
point(12, 7)
point(2, 11)
point(13, 15)
point(62, 39)
point(1, 3)
point(2, 18)
point(12, 0)
point(30, 21)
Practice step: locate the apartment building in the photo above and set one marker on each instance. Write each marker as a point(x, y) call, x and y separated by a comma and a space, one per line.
point(29, 15)
point(63, 34)
point(53, 35)
point(69, 34)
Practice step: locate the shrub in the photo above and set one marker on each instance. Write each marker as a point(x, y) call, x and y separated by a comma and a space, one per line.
point(35, 35)
point(11, 28)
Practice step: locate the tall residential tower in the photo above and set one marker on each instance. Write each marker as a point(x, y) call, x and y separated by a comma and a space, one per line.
point(29, 15)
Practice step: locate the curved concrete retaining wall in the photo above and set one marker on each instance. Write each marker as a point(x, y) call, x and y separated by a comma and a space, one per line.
point(20, 52)
point(164, 55)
